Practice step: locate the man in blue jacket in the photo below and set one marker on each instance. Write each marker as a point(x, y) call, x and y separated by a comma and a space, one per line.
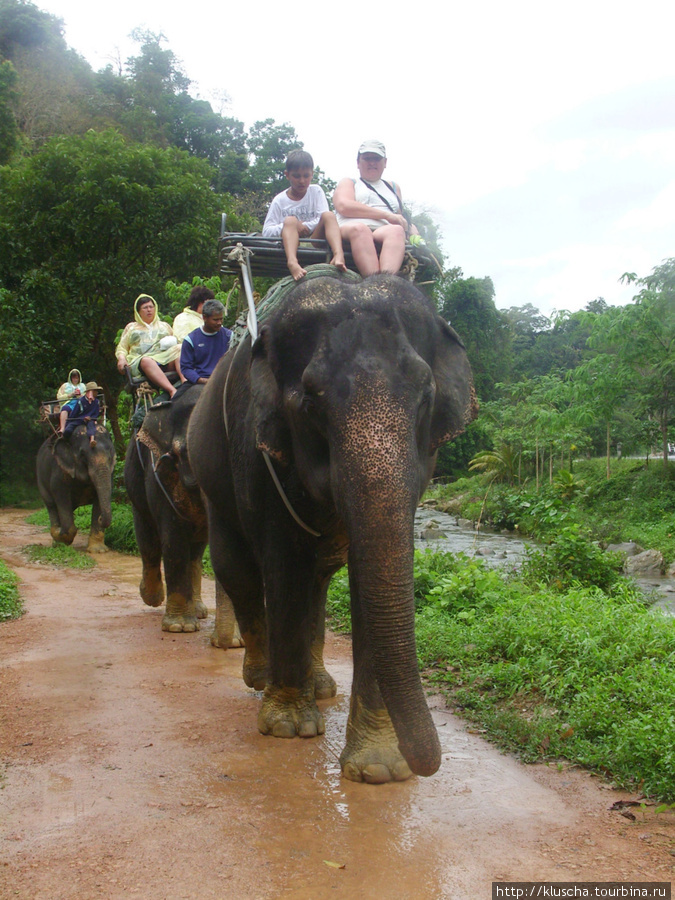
point(85, 411)
point(203, 347)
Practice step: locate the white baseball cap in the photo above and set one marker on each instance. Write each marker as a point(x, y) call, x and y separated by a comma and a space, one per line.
point(373, 147)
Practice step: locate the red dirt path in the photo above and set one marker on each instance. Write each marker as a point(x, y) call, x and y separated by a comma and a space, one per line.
point(131, 767)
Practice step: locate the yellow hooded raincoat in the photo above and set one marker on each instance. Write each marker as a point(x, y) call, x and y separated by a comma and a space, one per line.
point(140, 339)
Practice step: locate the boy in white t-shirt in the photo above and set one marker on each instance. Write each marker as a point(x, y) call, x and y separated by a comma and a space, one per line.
point(302, 211)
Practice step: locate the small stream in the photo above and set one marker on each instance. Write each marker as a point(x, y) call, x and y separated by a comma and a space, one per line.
point(506, 549)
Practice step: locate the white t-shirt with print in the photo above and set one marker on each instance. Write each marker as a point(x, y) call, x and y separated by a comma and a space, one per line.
point(307, 210)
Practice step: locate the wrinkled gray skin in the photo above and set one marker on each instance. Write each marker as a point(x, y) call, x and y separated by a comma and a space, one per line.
point(170, 522)
point(71, 473)
point(350, 389)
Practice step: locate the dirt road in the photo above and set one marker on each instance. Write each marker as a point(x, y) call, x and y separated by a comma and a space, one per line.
point(132, 767)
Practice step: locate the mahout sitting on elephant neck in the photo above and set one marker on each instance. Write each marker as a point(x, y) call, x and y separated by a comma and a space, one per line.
point(350, 389)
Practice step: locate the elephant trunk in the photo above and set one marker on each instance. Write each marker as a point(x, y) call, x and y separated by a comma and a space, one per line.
point(102, 481)
point(379, 515)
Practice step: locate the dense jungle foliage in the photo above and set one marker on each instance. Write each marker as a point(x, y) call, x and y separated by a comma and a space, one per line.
point(113, 182)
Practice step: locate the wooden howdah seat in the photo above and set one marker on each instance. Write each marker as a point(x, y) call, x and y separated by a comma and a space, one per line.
point(49, 411)
point(268, 259)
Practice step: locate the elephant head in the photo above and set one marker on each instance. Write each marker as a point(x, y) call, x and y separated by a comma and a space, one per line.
point(164, 432)
point(88, 465)
point(356, 387)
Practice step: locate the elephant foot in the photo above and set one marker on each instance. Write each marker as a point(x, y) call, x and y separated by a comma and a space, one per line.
point(152, 590)
point(228, 639)
point(200, 610)
point(63, 537)
point(254, 671)
point(97, 543)
point(371, 753)
point(254, 674)
point(180, 624)
point(324, 685)
point(287, 712)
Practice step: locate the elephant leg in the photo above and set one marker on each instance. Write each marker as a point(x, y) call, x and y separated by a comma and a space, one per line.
point(96, 543)
point(54, 521)
point(371, 751)
point(196, 575)
point(62, 524)
point(151, 587)
point(226, 630)
point(324, 683)
point(177, 553)
point(239, 575)
point(289, 705)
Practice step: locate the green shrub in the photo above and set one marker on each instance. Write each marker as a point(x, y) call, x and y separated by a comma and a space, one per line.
point(11, 605)
point(573, 674)
point(120, 533)
point(571, 558)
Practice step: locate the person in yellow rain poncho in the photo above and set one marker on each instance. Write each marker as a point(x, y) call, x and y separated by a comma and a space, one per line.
point(191, 317)
point(148, 346)
point(71, 389)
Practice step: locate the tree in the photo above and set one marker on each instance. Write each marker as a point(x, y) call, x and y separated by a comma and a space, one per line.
point(642, 334)
point(468, 304)
point(9, 131)
point(85, 226)
point(25, 27)
point(600, 387)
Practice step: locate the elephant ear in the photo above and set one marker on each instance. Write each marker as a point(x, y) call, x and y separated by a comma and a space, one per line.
point(169, 477)
point(156, 430)
point(455, 403)
point(271, 429)
point(64, 456)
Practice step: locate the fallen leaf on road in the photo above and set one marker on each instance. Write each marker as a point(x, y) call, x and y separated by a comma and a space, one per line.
point(334, 865)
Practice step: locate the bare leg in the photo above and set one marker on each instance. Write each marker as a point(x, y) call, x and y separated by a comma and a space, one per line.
point(392, 241)
point(176, 366)
point(63, 417)
point(153, 373)
point(290, 237)
point(360, 238)
point(329, 228)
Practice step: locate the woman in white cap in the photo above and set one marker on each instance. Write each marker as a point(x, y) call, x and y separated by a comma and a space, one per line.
point(369, 211)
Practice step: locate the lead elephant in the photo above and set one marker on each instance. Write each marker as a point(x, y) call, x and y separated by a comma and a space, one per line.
point(170, 521)
point(343, 399)
point(72, 473)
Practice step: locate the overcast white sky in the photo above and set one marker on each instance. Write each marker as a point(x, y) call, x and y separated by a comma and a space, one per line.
point(541, 136)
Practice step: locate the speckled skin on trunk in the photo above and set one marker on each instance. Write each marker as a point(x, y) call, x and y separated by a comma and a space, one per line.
point(350, 389)
point(170, 521)
point(71, 473)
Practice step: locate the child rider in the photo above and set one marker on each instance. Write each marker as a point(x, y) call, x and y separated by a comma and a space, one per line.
point(302, 211)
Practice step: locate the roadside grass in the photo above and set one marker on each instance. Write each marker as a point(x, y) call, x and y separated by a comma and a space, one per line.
point(550, 669)
point(61, 555)
point(11, 604)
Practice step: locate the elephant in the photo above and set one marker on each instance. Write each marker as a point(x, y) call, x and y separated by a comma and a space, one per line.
point(72, 473)
point(170, 521)
point(313, 445)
